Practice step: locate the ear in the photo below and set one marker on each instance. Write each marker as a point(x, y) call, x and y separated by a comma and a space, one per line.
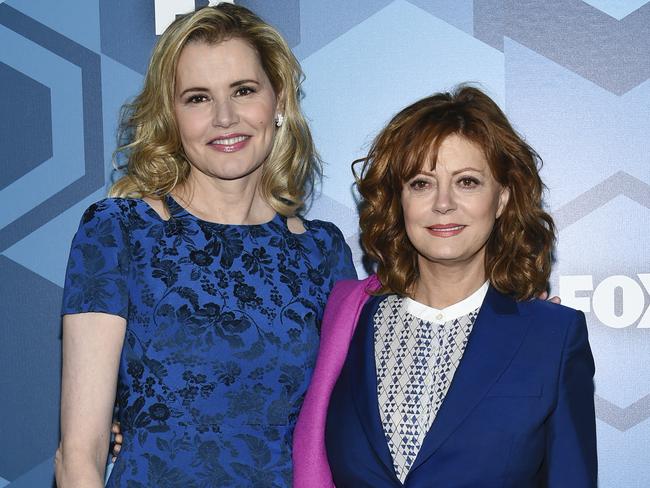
point(280, 102)
point(279, 111)
point(504, 197)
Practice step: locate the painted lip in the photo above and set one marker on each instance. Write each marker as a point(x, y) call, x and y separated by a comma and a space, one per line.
point(229, 143)
point(446, 230)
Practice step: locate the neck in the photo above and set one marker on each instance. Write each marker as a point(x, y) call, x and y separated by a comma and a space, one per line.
point(441, 285)
point(234, 202)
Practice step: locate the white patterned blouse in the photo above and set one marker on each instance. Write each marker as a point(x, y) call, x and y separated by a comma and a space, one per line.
point(417, 351)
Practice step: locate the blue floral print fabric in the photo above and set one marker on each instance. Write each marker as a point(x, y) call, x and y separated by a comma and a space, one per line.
point(221, 339)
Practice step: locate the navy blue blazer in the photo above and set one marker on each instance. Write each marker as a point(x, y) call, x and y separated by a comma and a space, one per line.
point(519, 412)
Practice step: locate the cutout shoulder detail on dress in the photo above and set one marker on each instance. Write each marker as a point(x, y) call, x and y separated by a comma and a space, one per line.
point(296, 225)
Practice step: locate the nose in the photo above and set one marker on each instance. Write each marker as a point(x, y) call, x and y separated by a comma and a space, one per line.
point(444, 200)
point(225, 113)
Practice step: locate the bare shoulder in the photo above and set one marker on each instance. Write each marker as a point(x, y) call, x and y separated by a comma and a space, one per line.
point(296, 225)
point(158, 206)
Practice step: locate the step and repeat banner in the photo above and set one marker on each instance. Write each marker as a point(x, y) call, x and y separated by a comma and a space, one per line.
point(573, 76)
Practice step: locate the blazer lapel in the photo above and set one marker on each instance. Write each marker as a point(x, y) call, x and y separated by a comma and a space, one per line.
point(496, 336)
point(364, 384)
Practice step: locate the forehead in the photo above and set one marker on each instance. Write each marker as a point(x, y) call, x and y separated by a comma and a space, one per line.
point(457, 149)
point(453, 152)
point(225, 61)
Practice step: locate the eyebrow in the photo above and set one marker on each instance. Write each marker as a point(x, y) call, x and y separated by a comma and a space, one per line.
point(461, 170)
point(234, 84)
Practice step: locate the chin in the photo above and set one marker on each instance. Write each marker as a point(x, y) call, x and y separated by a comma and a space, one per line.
point(439, 255)
point(452, 257)
point(233, 173)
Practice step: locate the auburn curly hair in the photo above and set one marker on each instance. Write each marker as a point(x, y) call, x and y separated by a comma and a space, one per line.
point(150, 152)
point(519, 250)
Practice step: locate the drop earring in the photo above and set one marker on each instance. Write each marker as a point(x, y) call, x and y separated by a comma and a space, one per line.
point(279, 120)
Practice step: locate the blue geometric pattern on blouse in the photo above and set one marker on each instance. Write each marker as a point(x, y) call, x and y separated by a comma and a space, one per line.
point(222, 335)
point(415, 362)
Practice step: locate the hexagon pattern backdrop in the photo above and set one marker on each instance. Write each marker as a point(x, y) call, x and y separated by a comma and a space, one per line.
point(572, 75)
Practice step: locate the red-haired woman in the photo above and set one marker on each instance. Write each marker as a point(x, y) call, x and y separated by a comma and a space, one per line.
point(443, 369)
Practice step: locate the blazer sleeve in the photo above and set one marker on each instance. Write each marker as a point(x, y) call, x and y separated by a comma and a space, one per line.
point(571, 436)
point(310, 465)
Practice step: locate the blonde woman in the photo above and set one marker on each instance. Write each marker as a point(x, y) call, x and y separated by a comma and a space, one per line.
point(195, 291)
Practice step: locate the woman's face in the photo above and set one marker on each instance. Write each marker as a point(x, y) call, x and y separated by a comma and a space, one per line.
point(225, 108)
point(449, 212)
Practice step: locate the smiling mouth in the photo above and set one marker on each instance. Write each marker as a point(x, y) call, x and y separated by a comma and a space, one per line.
point(229, 141)
point(229, 144)
point(445, 230)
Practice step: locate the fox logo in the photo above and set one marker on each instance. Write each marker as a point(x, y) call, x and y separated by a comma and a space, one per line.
point(167, 10)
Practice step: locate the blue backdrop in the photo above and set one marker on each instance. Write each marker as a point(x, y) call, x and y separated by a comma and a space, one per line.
point(572, 75)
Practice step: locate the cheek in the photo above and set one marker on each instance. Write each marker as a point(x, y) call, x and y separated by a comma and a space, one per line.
point(487, 213)
point(264, 114)
point(185, 125)
point(267, 121)
point(413, 221)
point(494, 210)
point(417, 209)
point(193, 123)
point(407, 213)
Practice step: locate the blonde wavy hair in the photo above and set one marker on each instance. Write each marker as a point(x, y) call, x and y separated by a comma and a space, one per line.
point(149, 150)
point(519, 249)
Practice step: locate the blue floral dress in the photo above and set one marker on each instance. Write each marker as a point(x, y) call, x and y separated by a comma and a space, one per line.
point(222, 333)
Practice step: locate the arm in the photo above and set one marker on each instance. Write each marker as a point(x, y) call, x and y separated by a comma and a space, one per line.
point(571, 435)
point(310, 465)
point(92, 343)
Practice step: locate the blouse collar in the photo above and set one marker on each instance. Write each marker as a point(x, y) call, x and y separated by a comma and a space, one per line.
point(454, 311)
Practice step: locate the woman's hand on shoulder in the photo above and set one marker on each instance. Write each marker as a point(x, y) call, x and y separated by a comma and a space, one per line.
point(554, 299)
